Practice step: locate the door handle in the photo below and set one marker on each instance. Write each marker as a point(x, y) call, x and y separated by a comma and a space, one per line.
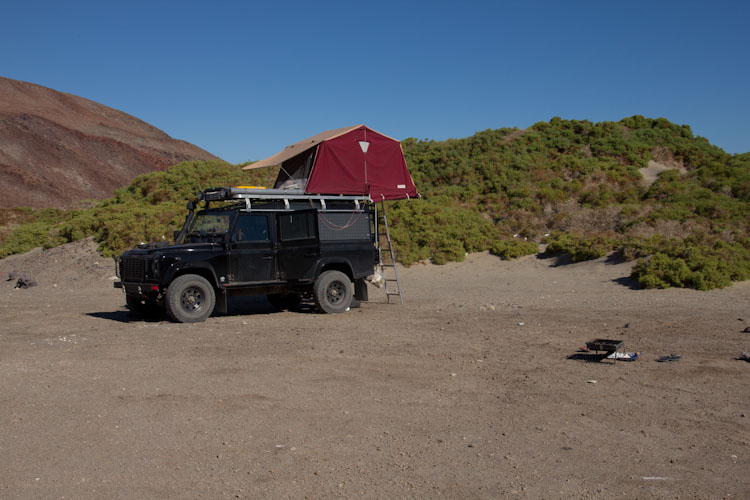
point(268, 257)
point(310, 254)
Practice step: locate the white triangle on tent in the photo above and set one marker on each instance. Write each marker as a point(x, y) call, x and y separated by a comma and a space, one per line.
point(364, 145)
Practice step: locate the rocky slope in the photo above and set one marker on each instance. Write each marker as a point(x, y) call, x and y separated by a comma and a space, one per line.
point(57, 148)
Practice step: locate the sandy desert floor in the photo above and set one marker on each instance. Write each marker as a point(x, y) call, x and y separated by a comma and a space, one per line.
point(465, 391)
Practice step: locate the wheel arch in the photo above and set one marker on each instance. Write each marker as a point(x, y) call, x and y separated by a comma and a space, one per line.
point(203, 271)
point(337, 265)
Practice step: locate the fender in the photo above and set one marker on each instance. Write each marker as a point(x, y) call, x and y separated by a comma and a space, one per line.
point(335, 261)
point(182, 267)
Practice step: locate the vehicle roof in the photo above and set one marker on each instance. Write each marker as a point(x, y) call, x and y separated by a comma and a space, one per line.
point(279, 206)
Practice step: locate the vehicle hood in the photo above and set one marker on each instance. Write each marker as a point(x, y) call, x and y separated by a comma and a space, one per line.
point(150, 249)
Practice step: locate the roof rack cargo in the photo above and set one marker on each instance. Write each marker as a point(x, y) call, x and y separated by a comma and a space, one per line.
point(250, 194)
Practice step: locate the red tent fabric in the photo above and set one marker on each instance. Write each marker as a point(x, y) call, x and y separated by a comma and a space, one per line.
point(351, 161)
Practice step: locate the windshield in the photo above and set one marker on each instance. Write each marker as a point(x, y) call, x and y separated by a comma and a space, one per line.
point(208, 225)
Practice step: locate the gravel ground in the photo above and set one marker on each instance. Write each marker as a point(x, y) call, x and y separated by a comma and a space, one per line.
point(472, 389)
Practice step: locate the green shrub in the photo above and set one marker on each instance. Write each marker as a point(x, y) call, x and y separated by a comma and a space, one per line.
point(576, 179)
point(438, 229)
point(29, 236)
point(691, 263)
point(580, 247)
point(513, 248)
point(635, 248)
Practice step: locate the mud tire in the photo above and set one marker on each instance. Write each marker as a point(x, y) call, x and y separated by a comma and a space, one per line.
point(333, 292)
point(190, 299)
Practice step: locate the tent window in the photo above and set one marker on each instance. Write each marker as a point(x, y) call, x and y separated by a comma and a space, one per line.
point(295, 171)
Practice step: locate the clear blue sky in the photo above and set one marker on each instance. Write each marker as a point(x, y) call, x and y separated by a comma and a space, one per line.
point(244, 79)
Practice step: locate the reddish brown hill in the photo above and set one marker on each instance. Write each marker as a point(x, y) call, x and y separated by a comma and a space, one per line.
point(57, 148)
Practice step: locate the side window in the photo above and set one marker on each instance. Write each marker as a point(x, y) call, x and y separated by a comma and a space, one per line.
point(251, 228)
point(297, 226)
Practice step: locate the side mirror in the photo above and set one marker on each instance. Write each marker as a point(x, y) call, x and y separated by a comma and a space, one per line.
point(176, 235)
point(190, 205)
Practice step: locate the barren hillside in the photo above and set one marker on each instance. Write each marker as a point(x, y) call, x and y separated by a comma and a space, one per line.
point(67, 148)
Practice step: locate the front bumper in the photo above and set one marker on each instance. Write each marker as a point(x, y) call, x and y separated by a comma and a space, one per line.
point(138, 288)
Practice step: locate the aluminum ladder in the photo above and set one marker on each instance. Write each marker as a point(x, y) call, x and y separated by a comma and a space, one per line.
point(390, 263)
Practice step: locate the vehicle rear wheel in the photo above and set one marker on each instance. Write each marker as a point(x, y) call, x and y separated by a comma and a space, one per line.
point(284, 301)
point(190, 298)
point(333, 291)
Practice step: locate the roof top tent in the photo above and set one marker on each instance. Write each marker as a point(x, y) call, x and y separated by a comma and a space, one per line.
point(345, 161)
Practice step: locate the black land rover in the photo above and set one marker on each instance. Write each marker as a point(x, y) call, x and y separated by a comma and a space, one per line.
point(287, 247)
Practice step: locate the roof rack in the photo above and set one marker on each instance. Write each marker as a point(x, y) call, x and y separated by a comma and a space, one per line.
point(250, 194)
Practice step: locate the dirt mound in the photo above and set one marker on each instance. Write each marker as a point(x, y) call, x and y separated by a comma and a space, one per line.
point(57, 148)
point(73, 263)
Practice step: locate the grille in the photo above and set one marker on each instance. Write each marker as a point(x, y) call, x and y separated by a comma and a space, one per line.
point(133, 270)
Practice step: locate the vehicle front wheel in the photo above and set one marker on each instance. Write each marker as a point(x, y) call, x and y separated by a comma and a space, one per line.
point(333, 291)
point(190, 298)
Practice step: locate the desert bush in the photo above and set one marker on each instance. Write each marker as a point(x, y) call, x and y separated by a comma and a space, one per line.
point(635, 248)
point(513, 248)
point(149, 209)
point(22, 229)
point(438, 229)
point(695, 263)
point(580, 247)
point(28, 236)
point(559, 176)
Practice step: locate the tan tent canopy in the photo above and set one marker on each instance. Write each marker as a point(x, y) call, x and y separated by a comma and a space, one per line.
point(351, 160)
point(299, 147)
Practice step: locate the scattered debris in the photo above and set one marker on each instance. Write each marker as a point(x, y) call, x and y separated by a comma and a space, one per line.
point(746, 330)
point(606, 345)
point(65, 339)
point(22, 280)
point(25, 282)
point(745, 356)
point(376, 279)
point(656, 478)
point(624, 356)
point(591, 381)
point(671, 357)
point(600, 349)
